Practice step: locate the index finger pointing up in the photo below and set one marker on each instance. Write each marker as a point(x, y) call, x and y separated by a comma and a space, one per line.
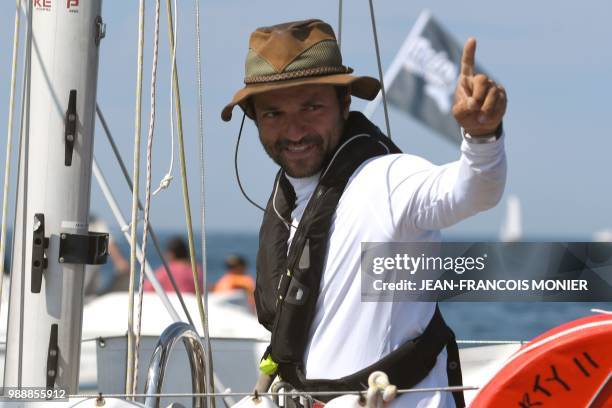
point(467, 59)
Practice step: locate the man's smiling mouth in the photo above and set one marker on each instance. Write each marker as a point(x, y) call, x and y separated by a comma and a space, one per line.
point(299, 148)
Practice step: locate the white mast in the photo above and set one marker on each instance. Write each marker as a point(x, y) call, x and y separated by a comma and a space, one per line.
point(46, 303)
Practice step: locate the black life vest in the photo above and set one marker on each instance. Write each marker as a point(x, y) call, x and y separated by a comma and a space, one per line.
point(288, 279)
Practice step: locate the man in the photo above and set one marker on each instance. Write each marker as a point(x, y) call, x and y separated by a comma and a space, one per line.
point(176, 255)
point(342, 183)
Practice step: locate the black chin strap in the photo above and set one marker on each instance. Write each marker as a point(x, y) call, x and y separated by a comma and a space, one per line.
point(237, 173)
point(236, 166)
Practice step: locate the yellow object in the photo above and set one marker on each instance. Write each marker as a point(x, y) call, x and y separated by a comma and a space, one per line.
point(268, 366)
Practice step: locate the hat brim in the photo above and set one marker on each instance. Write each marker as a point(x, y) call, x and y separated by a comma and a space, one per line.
point(363, 87)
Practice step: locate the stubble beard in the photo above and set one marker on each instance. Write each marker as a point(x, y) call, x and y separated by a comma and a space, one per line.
point(303, 167)
point(298, 168)
point(308, 167)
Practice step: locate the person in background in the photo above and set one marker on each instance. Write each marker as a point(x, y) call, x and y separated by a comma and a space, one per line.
point(177, 257)
point(236, 278)
point(93, 284)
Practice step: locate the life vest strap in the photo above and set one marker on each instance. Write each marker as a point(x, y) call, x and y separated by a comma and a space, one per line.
point(406, 366)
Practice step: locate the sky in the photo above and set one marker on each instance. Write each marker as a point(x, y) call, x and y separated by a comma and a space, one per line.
point(554, 59)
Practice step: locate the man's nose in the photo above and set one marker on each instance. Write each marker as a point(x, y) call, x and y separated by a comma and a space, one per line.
point(296, 128)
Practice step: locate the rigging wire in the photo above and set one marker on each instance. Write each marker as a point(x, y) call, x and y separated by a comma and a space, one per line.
point(147, 201)
point(9, 142)
point(340, 24)
point(114, 207)
point(154, 238)
point(380, 73)
point(130, 337)
point(292, 393)
point(23, 158)
point(208, 368)
point(182, 161)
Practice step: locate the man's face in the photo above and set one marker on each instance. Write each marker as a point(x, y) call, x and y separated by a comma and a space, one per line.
point(300, 126)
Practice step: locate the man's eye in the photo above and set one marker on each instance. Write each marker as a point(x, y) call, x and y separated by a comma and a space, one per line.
point(314, 107)
point(270, 114)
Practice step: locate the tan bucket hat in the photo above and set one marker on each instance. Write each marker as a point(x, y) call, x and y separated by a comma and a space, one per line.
point(296, 53)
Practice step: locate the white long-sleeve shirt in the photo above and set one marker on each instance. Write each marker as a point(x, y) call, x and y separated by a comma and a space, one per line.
point(393, 198)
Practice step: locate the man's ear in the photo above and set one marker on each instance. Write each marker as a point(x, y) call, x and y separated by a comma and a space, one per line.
point(346, 106)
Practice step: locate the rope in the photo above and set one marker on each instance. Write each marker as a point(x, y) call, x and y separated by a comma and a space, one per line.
point(165, 181)
point(340, 24)
point(185, 189)
point(147, 203)
point(458, 341)
point(128, 226)
point(272, 394)
point(125, 227)
point(114, 207)
point(208, 367)
point(130, 346)
point(380, 73)
point(9, 143)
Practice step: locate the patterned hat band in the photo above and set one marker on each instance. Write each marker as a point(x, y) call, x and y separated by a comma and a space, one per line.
point(301, 73)
point(293, 54)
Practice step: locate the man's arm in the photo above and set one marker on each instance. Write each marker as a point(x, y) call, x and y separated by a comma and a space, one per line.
point(447, 194)
point(444, 195)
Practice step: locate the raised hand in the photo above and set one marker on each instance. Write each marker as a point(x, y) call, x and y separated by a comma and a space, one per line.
point(480, 103)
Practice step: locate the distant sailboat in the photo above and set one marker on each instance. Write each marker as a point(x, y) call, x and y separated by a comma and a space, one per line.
point(512, 228)
point(603, 235)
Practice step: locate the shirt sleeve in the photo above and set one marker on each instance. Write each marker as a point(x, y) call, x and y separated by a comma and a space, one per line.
point(434, 197)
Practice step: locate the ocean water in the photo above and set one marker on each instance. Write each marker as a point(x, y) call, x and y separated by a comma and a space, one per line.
point(469, 320)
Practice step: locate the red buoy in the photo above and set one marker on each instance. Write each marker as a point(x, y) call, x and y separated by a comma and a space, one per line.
point(568, 366)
